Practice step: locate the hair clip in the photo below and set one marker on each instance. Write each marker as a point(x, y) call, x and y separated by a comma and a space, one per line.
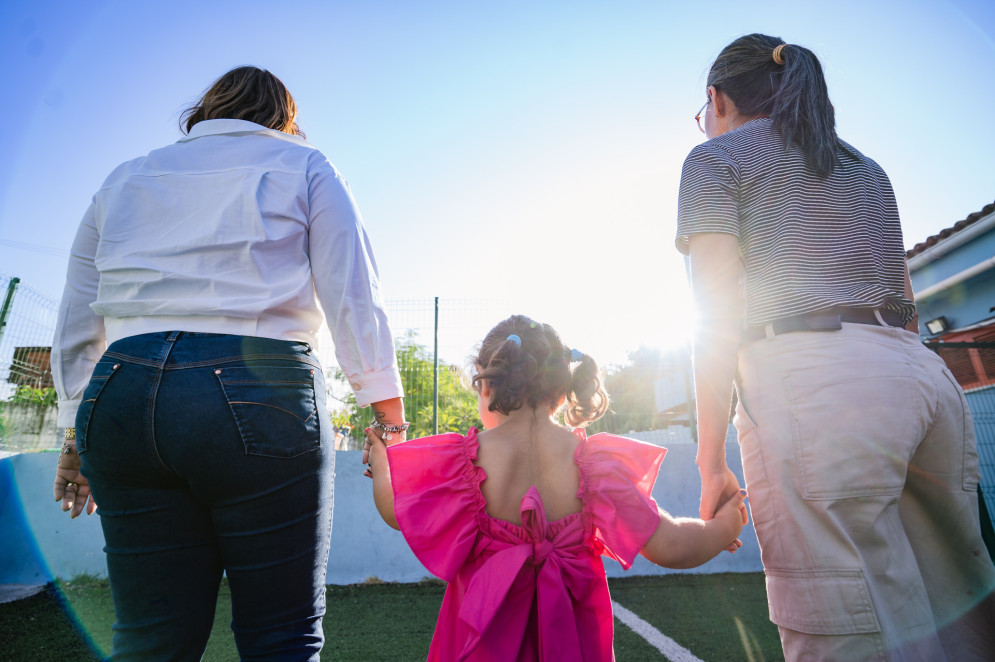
point(515, 339)
point(574, 355)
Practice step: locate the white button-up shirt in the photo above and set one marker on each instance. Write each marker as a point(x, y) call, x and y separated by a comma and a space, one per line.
point(233, 229)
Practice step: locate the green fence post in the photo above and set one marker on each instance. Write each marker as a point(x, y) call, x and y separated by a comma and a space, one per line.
point(435, 373)
point(7, 304)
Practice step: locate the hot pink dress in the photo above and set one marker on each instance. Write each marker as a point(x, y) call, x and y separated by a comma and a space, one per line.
point(531, 592)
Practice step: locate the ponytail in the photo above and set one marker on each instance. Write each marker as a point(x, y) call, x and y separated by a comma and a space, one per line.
point(764, 76)
point(587, 400)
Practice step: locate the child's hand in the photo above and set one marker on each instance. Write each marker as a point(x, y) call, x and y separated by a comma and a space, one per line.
point(372, 439)
point(729, 513)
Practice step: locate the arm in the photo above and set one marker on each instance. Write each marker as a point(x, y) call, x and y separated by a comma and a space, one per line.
point(716, 271)
point(77, 346)
point(348, 286)
point(383, 491)
point(685, 542)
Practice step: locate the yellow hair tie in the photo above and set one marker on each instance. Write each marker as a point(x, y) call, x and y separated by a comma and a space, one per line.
point(777, 54)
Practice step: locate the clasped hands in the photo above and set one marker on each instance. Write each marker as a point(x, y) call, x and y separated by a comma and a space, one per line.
point(717, 487)
point(374, 437)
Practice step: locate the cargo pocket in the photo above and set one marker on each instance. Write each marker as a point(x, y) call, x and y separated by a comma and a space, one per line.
point(102, 373)
point(274, 408)
point(850, 438)
point(828, 602)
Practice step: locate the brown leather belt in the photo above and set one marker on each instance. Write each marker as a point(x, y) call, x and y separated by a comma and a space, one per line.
point(822, 320)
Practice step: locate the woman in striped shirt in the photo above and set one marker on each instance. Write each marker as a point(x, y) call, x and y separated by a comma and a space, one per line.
point(858, 449)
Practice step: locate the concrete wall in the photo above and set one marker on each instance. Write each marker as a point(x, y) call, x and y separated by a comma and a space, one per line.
point(27, 426)
point(38, 541)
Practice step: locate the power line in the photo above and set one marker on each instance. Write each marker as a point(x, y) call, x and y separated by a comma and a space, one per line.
point(37, 248)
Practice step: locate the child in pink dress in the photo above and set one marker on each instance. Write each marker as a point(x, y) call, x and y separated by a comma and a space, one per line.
point(516, 518)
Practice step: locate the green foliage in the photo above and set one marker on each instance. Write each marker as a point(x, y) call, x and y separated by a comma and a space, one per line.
point(633, 401)
point(457, 402)
point(39, 396)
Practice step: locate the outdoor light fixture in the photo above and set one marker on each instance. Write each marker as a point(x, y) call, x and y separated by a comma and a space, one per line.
point(938, 325)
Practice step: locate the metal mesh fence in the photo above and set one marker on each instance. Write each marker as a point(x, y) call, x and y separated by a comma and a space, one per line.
point(462, 323)
point(27, 412)
point(982, 404)
point(27, 322)
point(973, 365)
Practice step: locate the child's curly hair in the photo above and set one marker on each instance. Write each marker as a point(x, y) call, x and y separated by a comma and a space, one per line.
point(537, 369)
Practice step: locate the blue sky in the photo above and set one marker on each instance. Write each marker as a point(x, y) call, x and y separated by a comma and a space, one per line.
point(525, 151)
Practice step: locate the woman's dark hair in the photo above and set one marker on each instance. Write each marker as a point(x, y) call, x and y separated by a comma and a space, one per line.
point(246, 93)
point(536, 370)
point(792, 94)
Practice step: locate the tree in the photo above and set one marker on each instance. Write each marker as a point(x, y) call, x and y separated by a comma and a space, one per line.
point(633, 397)
point(457, 401)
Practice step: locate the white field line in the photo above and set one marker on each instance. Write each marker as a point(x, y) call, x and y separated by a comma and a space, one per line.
point(667, 646)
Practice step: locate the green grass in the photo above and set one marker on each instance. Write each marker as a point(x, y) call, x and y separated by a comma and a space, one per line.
point(716, 617)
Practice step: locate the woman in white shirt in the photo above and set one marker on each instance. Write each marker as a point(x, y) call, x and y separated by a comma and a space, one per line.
point(187, 381)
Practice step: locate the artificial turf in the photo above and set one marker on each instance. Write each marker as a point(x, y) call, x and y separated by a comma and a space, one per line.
point(716, 617)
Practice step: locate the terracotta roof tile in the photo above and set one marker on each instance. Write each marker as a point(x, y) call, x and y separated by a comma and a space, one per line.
point(955, 228)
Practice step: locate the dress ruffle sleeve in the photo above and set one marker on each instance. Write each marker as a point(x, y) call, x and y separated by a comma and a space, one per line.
point(616, 485)
point(437, 498)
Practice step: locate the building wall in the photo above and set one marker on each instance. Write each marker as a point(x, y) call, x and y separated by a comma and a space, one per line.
point(967, 302)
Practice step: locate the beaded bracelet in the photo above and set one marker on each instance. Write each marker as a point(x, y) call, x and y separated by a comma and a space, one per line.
point(388, 429)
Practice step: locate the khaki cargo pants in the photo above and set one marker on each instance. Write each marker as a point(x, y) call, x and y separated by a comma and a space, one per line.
point(862, 469)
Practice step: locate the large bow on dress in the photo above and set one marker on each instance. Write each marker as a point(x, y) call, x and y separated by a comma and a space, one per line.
point(535, 571)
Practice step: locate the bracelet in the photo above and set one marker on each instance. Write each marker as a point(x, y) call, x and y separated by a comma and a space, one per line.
point(70, 434)
point(388, 429)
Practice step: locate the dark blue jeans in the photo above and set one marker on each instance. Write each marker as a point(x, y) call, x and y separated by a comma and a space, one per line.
point(211, 453)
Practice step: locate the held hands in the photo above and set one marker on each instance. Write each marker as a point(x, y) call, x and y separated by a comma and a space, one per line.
point(379, 438)
point(71, 487)
point(728, 515)
point(371, 438)
point(721, 496)
point(717, 487)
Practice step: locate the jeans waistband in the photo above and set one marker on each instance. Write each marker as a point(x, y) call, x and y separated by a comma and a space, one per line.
point(186, 348)
point(831, 319)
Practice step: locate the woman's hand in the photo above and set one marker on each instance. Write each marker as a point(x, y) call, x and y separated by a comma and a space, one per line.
point(718, 487)
point(728, 515)
point(71, 487)
point(373, 438)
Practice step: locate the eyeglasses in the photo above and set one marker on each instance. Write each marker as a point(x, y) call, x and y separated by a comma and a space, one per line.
point(701, 116)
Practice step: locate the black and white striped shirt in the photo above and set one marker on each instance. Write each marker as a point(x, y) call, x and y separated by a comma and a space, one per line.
point(808, 243)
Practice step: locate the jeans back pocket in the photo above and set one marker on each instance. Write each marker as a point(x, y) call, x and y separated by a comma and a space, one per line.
point(274, 408)
point(102, 373)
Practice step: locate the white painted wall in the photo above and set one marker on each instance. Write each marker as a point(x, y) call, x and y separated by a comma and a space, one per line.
point(38, 541)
